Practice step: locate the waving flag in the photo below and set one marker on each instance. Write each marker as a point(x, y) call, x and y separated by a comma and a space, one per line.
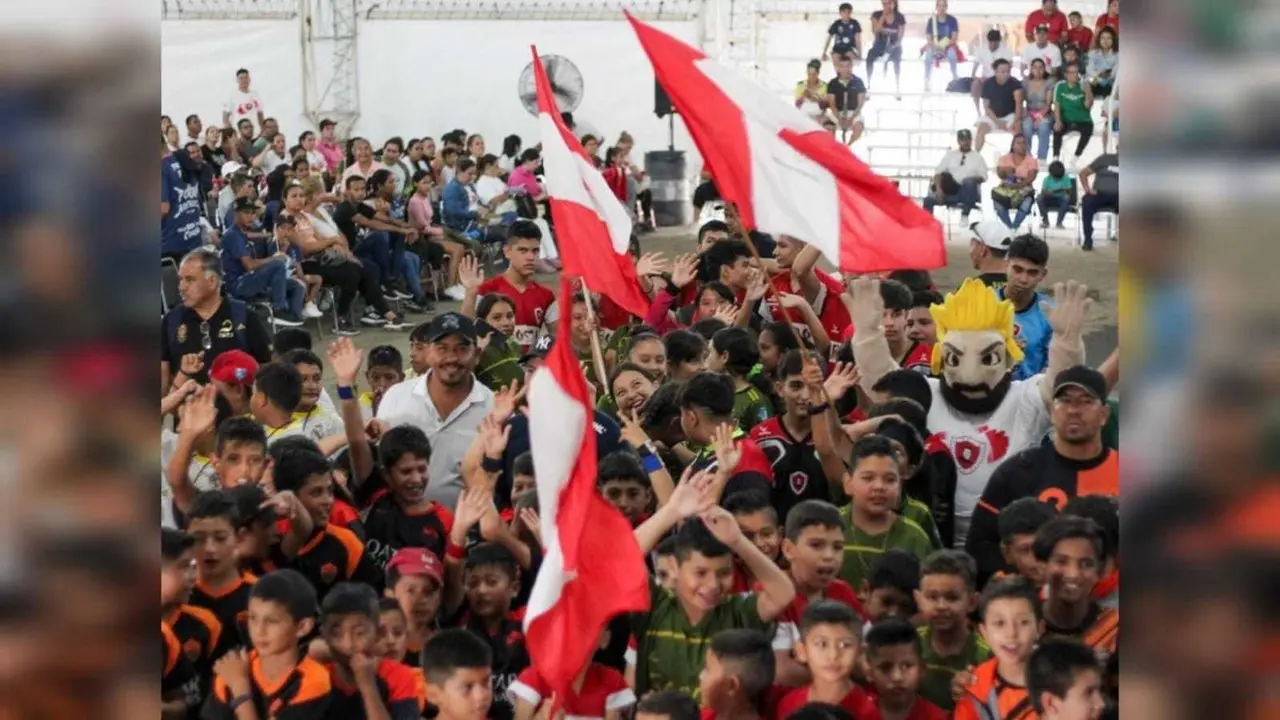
point(785, 174)
point(592, 568)
point(593, 230)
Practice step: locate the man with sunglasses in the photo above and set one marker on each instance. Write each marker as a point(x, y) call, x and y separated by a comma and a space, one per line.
point(959, 178)
point(206, 324)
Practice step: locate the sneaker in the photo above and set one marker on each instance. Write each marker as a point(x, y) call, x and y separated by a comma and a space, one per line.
point(346, 328)
point(413, 306)
point(454, 292)
point(964, 219)
point(1060, 226)
point(311, 312)
point(395, 322)
point(1044, 223)
point(284, 318)
point(393, 293)
point(372, 318)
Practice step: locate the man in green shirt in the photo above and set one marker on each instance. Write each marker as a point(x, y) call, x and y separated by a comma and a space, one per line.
point(1072, 104)
point(672, 638)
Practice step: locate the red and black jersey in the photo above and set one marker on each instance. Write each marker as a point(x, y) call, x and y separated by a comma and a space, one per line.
point(531, 307)
point(397, 686)
point(797, 471)
point(604, 690)
point(510, 658)
point(919, 357)
point(176, 671)
point(303, 694)
point(230, 604)
point(827, 305)
point(200, 639)
point(753, 471)
point(389, 527)
point(333, 555)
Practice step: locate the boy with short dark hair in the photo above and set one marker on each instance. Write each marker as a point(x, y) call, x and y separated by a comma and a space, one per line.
point(1010, 622)
point(895, 666)
point(277, 393)
point(384, 368)
point(318, 422)
point(1072, 549)
point(946, 598)
point(624, 483)
point(1104, 510)
point(890, 591)
point(365, 685)
point(737, 675)
point(535, 304)
point(673, 635)
point(830, 640)
point(667, 705)
point(275, 679)
point(198, 631)
point(664, 563)
point(1026, 266)
point(874, 485)
point(758, 521)
point(402, 515)
point(456, 663)
point(1064, 681)
point(1018, 524)
point(706, 405)
point(492, 581)
point(221, 587)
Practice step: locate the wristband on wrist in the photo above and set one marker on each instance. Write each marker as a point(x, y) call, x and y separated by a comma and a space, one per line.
point(672, 289)
point(644, 451)
point(345, 392)
point(491, 465)
point(454, 550)
point(239, 700)
point(651, 463)
point(819, 408)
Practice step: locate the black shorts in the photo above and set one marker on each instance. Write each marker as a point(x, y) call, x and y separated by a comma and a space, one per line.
point(430, 251)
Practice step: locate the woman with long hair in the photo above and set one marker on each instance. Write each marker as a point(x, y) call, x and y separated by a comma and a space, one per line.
point(1103, 60)
point(1037, 120)
point(511, 146)
point(360, 160)
point(1017, 172)
point(475, 147)
point(887, 27)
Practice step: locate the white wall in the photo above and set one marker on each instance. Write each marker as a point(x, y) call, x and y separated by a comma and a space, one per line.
point(420, 78)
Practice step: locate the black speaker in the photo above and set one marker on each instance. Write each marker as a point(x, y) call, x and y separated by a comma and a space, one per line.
point(661, 102)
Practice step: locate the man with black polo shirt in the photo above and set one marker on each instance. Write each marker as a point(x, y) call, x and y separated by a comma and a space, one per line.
point(1002, 103)
point(847, 95)
point(1077, 463)
point(207, 323)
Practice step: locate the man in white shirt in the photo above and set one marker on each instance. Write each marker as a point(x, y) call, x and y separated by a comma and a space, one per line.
point(1041, 49)
point(959, 178)
point(447, 403)
point(243, 103)
point(984, 61)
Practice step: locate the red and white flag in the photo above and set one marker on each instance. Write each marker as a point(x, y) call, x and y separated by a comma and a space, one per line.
point(592, 568)
point(593, 230)
point(787, 175)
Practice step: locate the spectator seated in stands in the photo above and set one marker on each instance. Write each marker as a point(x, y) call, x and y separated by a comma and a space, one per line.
point(1016, 191)
point(941, 31)
point(846, 96)
point(1072, 109)
point(1103, 59)
point(1051, 17)
point(523, 180)
point(1002, 100)
point(1111, 18)
point(360, 160)
point(252, 271)
point(1078, 33)
point(959, 178)
point(1101, 193)
point(984, 64)
point(844, 37)
point(811, 92)
point(1042, 49)
point(1071, 56)
point(386, 241)
point(453, 244)
point(1037, 122)
point(492, 191)
point(887, 27)
point(1055, 194)
point(273, 155)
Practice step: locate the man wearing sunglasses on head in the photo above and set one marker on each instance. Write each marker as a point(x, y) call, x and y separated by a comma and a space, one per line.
point(959, 178)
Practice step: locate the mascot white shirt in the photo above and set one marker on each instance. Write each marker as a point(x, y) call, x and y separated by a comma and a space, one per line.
point(979, 413)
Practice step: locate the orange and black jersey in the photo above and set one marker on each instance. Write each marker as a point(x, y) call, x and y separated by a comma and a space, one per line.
point(230, 604)
point(510, 658)
point(1100, 630)
point(200, 637)
point(389, 527)
point(304, 693)
point(991, 697)
point(332, 555)
point(1035, 472)
point(397, 686)
point(176, 671)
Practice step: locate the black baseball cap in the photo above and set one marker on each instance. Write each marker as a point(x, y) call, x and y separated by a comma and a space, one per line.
point(1083, 377)
point(246, 205)
point(451, 323)
point(964, 133)
point(540, 349)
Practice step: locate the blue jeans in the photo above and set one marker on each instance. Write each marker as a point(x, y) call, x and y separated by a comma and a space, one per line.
point(1061, 203)
point(1090, 205)
point(1041, 131)
point(385, 250)
point(273, 281)
point(967, 198)
point(1024, 209)
point(413, 274)
point(929, 59)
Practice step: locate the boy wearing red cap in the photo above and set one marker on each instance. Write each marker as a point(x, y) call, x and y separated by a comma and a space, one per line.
point(415, 579)
point(233, 373)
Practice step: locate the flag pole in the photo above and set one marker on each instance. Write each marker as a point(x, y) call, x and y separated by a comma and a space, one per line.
point(769, 289)
point(597, 357)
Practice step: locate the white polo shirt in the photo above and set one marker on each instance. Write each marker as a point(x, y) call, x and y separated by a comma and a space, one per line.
point(409, 403)
point(963, 166)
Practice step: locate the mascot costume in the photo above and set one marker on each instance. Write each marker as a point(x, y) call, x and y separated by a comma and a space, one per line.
point(980, 414)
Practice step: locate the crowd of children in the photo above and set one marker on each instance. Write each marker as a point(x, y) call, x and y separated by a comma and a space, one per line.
point(799, 527)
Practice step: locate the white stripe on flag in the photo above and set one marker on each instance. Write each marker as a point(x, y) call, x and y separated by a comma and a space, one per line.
point(569, 177)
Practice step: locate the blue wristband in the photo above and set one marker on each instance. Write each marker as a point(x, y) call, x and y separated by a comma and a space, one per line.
point(346, 393)
point(651, 464)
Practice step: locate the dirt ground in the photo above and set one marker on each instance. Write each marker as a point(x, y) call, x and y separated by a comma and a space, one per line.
point(1066, 262)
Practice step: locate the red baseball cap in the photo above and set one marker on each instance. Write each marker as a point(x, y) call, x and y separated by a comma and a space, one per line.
point(417, 561)
point(234, 367)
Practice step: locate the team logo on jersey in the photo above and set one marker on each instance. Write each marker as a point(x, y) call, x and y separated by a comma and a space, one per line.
point(328, 572)
point(182, 333)
point(191, 649)
point(971, 451)
point(430, 534)
point(799, 481)
point(225, 330)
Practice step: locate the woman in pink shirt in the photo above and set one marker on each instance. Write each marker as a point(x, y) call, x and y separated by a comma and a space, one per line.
point(420, 215)
point(522, 176)
point(363, 163)
point(328, 146)
point(1017, 172)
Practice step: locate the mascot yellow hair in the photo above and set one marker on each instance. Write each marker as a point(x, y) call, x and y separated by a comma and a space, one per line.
point(971, 308)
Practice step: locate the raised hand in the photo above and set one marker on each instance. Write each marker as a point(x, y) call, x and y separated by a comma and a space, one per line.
point(651, 264)
point(200, 414)
point(867, 308)
point(471, 508)
point(506, 401)
point(792, 302)
point(684, 270)
point(191, 364)
point(493, 435)
point(345, 359)
point(722, 525)
point(726, 313)
point(469, 273)
point(1066, 316)
point(843, 377)
point(728, 454)
point(530, 518)
point(631, 430)
point(757, 285)
point(692, 494)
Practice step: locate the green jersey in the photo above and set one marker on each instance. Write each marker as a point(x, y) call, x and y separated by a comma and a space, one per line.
point(938, 671)
point(671, 651)
point(751, 407)
point(912, 509)
point(499, 365)
point(862, 550)
point(1071, 101)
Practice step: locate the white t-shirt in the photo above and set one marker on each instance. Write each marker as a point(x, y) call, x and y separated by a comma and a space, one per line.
point(972, 167)
point(1050, 53)
point(489, 187)
point(979, 444)
point(271, 161)
point(199, 471)
point(243, 105)
point(985, 58)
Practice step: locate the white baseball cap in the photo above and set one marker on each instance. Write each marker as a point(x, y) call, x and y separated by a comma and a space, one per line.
point(992, 233)
point(231, 167)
